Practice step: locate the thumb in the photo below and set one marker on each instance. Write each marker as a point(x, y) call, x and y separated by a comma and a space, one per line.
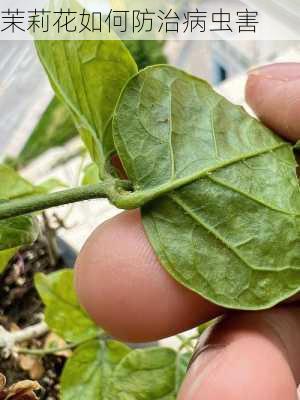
point(273, 92)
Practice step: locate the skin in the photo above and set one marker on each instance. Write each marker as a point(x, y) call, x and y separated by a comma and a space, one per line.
point(124, 288)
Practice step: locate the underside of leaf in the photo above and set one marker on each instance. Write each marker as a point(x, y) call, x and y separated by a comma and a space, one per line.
point(226, 219)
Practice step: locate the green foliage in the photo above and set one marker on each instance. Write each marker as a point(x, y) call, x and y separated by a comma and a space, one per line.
point(56, 126)
point(88, 371)
point(15, 232)
point(89, 86)
point(63, 312)
point(145, 375)
point(226, 220)
point(19, 231)
point(54, 129)
point(13, 185)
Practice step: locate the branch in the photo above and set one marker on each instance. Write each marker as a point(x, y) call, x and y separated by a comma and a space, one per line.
point(30, 204)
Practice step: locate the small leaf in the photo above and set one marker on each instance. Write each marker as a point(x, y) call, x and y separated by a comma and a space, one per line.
point(89, 84)
point(54, 129)
point(88, 371)
point(91, 175)
point(145, 375)
point(63, 313)
point(225, 222)
point(15, 232)
point(12, 184)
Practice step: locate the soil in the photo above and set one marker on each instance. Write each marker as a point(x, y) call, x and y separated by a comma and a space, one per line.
point(20, 306)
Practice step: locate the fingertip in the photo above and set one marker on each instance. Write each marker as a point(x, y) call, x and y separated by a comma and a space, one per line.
point(250, 362)
point(273, 92)
point(126, 291)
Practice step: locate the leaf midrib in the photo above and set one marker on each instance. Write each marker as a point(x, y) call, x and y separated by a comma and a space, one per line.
point(141, 197)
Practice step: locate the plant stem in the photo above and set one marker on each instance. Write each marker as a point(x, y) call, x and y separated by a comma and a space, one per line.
point(55, 350)
point(27, 205)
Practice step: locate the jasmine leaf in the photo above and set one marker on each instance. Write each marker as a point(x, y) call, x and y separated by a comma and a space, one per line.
point(12, 184)
point(89, 82)
point(88, 371)
point(145, 374)
point(15, 232)
point(63, 313)
point(19, 231)
point(225, 222)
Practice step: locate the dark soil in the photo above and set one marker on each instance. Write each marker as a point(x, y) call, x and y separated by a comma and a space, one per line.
point(20, 306)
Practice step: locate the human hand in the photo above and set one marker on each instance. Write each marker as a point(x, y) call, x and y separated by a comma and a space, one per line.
point(122, 285)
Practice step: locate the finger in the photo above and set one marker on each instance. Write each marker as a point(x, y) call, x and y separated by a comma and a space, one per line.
point(274, 94)
point(248, 356)
point(126, 291)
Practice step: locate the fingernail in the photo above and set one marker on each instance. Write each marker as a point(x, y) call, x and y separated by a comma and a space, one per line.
point(202, 364)
point(284, 72)
point(204, 354)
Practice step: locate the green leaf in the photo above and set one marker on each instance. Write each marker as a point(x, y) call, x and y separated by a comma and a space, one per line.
point(90, 175)
point(12, 184)
point(63, 313)
point(88, 76)
point(15, 232)
point(88, 371)
point(226, 219)
point(56, 126)
point(6, 256)
point(145, 375)
point(54, 129)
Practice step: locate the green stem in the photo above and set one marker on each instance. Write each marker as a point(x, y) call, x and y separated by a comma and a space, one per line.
point(30, 204)
point(55, 350)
